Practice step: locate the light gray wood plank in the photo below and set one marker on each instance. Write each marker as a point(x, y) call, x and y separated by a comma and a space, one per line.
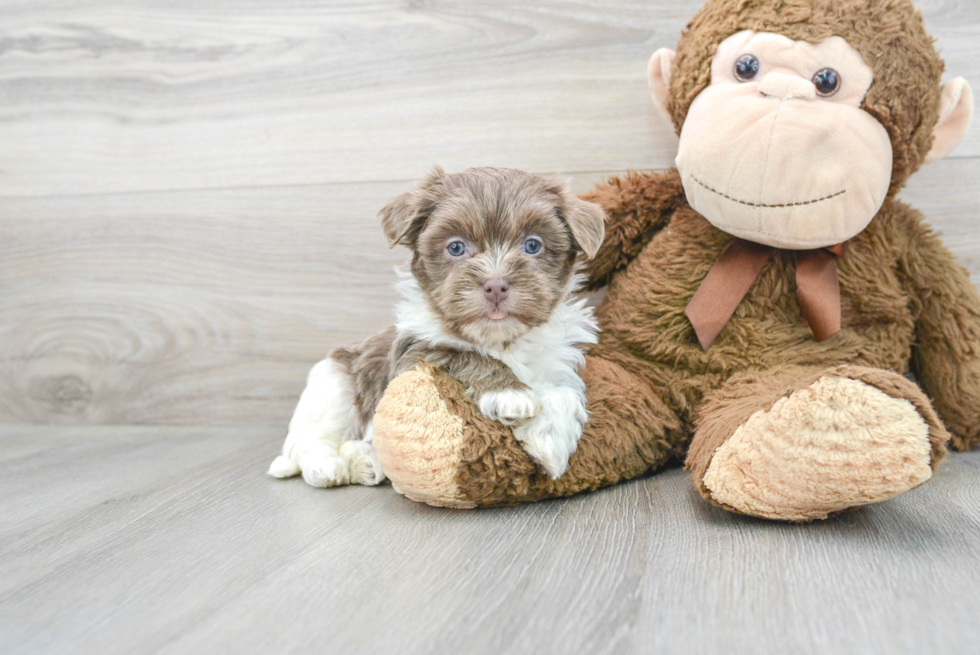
point(187, 307)
point(208, 555)
point(210, 306)
point(298, 120)
point(110, 301)
point(132, 306)
point(148, 96)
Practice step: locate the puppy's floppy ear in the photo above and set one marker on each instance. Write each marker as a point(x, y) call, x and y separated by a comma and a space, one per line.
point(586, 220)
point(402, 219)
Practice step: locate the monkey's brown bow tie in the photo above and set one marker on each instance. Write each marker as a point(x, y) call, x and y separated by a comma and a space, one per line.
point(817, 288)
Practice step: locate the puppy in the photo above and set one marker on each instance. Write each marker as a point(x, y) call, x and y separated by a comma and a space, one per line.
point(495, 259)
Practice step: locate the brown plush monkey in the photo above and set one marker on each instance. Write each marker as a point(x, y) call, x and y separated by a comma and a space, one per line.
point(768, 298)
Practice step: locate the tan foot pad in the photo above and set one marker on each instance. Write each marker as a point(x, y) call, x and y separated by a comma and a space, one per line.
point(836, 444)
point(419, 441)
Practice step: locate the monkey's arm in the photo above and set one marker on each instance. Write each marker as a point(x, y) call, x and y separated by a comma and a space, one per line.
point(638, 205)
point(479, 374)
point(488, 382)
point(946, 353)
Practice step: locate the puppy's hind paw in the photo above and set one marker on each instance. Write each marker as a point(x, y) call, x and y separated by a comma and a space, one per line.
point(323, 467)
point(510, 406)
point(283, 467)
point(362, 463)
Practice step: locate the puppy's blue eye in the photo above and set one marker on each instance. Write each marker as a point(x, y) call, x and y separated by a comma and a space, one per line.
point(532, 246)
point(456, 248)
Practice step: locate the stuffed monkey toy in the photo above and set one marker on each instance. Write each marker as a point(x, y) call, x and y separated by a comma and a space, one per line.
point(769, 300)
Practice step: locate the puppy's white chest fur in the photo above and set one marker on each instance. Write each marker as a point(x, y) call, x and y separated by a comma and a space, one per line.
point(550, 354)
point(548, 359)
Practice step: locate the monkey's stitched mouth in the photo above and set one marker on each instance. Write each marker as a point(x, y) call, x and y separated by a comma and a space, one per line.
point(755, 204)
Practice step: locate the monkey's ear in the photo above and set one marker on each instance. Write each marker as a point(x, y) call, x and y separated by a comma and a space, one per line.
point(955, 114)
point(402, 219)
point(658, 76)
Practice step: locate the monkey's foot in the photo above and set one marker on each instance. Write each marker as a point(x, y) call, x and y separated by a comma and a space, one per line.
point(833, 445)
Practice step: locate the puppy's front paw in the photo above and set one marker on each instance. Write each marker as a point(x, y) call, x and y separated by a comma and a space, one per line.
point(550, 440)
point(323, 467)
point(510, 406)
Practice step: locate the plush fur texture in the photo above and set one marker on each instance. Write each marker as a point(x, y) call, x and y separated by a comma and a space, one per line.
point(766, 387)
point(750, 147)
point(818, 419)
point(904, 96)
point(834, 444)
point(439, 449)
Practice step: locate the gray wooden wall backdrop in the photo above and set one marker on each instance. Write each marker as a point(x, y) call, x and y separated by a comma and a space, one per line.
point(188, 189)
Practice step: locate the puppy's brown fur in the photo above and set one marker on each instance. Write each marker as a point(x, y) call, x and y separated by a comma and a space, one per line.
point(488, 301)
point(493, 212)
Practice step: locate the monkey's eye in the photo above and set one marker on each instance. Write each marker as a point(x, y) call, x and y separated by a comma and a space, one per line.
point(747, 67)
point(827, 82)
point(456, 248)
point(532, 246)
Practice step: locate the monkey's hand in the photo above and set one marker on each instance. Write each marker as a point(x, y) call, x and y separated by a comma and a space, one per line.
point(946, 355)
point(638, 205)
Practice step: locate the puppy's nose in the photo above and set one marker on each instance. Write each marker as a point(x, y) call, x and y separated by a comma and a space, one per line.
point(496, 289)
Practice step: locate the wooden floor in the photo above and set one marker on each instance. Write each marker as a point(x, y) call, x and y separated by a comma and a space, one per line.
point(171, 540)
point(188, 194)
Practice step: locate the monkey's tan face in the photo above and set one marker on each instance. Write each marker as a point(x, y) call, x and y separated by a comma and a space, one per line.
point(777, 149)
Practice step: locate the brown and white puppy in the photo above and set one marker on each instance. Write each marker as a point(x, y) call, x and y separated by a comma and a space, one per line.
point(490, 300)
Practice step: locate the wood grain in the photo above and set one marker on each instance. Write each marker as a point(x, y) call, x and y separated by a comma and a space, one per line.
point(187, 307)
point(171, 540)
point(188, 191)
point(210, 306)
point(187, 222)
point(227, 94)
